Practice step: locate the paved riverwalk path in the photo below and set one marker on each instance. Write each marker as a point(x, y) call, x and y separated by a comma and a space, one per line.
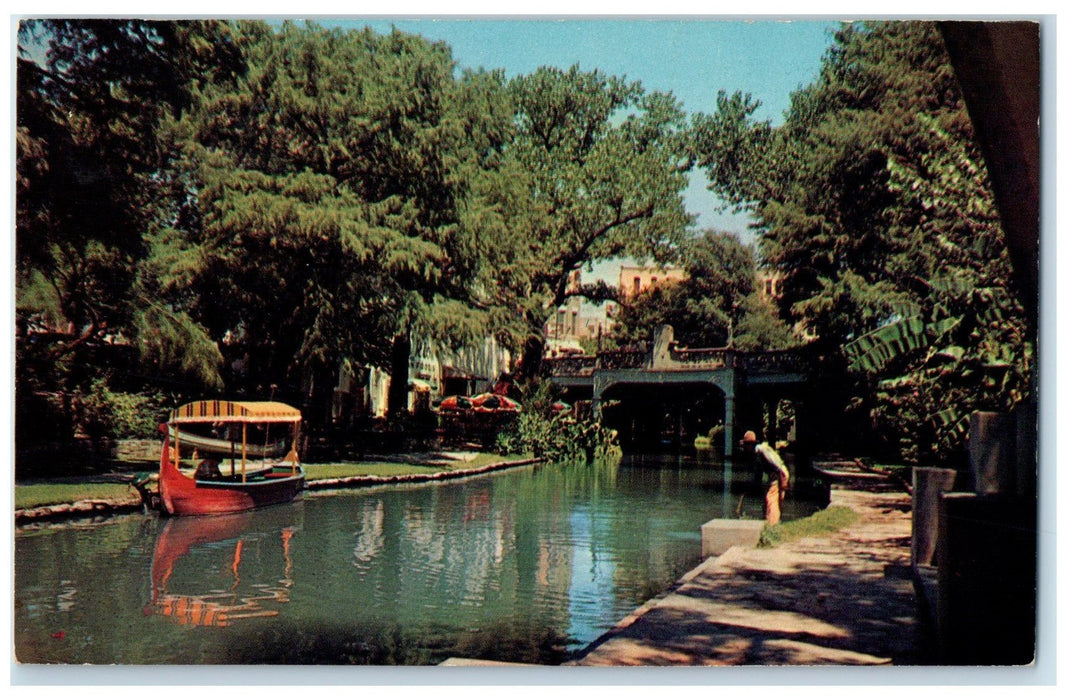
point(843, 599)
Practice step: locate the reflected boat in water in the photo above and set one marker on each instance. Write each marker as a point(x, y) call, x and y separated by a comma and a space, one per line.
point(224, 544)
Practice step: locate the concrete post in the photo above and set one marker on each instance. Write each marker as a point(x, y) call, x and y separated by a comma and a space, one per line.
point(729, 445)
point(991, 451)
point(1025, 417)
point(927, 486)
point(987, 580)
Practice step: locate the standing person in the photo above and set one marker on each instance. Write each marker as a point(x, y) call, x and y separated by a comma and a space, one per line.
point(770, 463)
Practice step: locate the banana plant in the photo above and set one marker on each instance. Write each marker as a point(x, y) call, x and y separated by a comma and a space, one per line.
point(933, 368)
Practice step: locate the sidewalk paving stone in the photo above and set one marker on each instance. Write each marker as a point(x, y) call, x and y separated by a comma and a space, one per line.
point(842, 599)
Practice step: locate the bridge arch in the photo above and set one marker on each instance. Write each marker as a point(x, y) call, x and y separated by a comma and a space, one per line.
point(758, 377)
point(649, 418)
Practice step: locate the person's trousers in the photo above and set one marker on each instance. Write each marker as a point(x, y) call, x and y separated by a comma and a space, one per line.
point(772, 506)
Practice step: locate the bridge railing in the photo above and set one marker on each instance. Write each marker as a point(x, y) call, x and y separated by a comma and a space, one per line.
point(622, 359)
point(585, 365)
point(572, 365)
point(777, 361)
point(774, 361)
point(702, 358)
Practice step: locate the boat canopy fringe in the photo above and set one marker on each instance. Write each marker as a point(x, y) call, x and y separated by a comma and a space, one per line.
point(235, 412)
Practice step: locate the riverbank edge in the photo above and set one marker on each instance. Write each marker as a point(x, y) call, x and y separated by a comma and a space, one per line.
point(105, 507)
point(735, 559)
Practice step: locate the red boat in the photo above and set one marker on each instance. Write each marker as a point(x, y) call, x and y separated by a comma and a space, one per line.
point(200, 436)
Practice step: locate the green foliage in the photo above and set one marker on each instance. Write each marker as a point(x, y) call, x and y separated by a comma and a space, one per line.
point(603, 169)
point(111, 414)
point(873, 202)
point(759, 327)
point(88, 119)
point(555, 437)
point(558, 439)
point(715, 304)
point(332, 199)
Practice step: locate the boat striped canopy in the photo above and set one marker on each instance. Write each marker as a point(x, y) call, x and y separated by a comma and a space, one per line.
point(235, 412)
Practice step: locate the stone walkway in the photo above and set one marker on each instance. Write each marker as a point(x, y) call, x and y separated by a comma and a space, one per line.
point(845, 599)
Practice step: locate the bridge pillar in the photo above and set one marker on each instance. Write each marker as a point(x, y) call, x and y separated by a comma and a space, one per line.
point(598, 392)
point(772, 421)
point(729, 452)
point(728, 424)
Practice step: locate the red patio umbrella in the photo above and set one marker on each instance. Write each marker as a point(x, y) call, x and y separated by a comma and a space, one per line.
point(495, 402)
point(455, 403)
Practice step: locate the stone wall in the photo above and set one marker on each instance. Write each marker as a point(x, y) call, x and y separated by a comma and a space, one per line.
point(136, 449)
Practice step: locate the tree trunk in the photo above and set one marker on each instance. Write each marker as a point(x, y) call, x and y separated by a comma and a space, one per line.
point(533, 353)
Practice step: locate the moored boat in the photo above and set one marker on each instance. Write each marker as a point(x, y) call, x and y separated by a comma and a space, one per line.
point(191, 475)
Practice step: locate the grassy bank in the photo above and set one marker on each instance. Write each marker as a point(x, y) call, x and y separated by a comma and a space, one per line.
point(340, 470)
point(54, 493)
point(824, 522)
point(57, 491)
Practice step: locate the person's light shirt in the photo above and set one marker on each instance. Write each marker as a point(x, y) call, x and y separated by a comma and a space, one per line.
point(771, 457)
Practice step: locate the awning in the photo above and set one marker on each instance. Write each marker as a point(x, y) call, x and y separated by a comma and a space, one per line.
point(235, 412)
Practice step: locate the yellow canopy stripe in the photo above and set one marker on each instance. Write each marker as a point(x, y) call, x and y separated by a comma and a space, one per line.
point(235, 412)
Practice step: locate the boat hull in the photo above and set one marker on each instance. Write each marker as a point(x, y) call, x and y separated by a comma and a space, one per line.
point(184, 495)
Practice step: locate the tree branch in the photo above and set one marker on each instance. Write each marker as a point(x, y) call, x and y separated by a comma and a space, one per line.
point(574, 261)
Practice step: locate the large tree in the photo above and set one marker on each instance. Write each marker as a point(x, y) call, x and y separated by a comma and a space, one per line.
point(326, 197)
point(601, 165)
point(90, 96)
point(873, 201)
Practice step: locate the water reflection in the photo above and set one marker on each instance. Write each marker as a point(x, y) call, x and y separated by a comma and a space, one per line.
point(235, 553)
point(527, 565)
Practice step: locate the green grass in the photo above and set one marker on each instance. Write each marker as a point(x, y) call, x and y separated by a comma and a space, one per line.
point(822, 523)
point(341, 470)
point(33, 495)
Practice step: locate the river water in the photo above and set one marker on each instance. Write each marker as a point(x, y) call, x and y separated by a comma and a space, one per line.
point(527, 565)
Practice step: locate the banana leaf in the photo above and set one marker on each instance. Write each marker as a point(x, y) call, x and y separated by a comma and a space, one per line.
point(873, 351)
point(896, 383)
point(950, 425)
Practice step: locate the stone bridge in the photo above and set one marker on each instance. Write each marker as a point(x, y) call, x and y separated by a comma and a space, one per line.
point(732, 371)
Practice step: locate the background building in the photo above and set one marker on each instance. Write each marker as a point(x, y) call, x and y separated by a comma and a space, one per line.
point(635, 279)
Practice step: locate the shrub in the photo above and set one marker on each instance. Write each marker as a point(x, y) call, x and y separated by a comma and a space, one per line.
point(555, 437)
point(108, 414)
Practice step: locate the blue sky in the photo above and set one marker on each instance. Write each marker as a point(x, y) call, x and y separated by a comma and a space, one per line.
point(692, 58)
